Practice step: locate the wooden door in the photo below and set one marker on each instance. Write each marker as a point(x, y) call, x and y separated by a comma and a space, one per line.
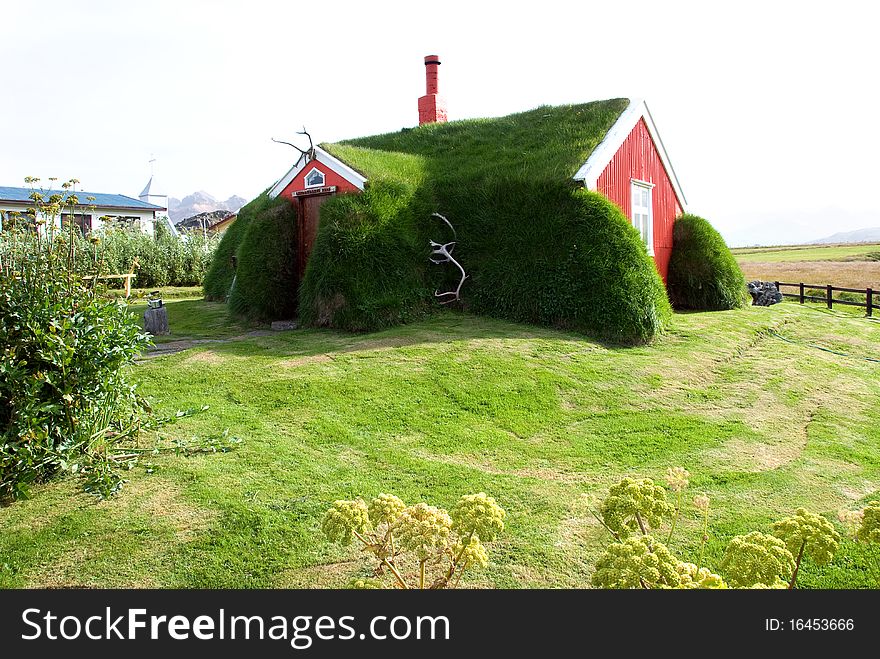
point(308, 226)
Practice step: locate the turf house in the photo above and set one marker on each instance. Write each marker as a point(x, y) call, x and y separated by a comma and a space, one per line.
point(560, 216)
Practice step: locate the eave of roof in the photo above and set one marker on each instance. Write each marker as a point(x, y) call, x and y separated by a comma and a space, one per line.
point(602, 155)
point(101, 199)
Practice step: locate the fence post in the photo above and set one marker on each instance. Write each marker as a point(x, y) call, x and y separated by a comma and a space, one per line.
point(802, 292)
point(830, 295)
point(869, 301)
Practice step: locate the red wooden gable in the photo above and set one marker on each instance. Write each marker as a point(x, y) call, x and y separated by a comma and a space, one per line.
point(331, 179)
point(638, 158)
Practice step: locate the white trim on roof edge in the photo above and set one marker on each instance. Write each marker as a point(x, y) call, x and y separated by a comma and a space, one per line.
point(325, 159)
point(597, 162)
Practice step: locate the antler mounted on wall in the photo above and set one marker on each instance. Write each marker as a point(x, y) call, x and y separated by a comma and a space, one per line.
point(308, 155)
point(442, 253)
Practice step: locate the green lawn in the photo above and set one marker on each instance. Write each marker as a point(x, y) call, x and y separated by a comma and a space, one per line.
point(542, 420)
point(194, 318)
point(793, 253)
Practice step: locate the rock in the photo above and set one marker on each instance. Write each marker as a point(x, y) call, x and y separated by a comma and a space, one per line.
point(764, 293)
point(156, 321)
point(284, 325)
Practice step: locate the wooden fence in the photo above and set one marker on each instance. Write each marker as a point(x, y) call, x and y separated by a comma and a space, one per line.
point(829, 298)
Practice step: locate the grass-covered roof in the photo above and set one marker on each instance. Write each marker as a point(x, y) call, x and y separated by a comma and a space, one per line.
point(544, 143)
point(536, 247)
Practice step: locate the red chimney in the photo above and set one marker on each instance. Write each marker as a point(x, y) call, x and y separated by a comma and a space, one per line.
point(432, 108)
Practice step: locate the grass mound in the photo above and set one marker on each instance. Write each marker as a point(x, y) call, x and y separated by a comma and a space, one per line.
point(267, 280)
point(703, 273)
point(218, 279)
point(366, 270)
point(535, 247)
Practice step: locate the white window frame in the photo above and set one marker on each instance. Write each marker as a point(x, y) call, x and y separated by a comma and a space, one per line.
point(315, 185)
point(636, 184)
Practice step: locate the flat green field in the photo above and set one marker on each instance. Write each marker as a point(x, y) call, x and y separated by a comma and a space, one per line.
point(786, 254)
point(759, 404)
point(850, 266)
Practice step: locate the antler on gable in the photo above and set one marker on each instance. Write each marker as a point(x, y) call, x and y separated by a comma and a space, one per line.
point(310, 153)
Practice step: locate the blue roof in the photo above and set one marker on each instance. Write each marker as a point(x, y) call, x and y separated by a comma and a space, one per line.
point(102, 200)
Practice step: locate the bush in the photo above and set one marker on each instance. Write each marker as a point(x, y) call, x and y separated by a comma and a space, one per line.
point(267, 279)
point(163, 259)
point(703, 274)
point(367, 269)
point(218, 279)
point(65, 399)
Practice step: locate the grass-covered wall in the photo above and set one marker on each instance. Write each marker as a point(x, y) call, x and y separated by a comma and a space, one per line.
point(536, 248)
point(367, 268)
point(267, 280)
point(263, 238)
point(218, 279)
point(703, 273)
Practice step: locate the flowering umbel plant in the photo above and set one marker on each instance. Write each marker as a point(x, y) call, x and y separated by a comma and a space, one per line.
point(636, 562)
point(691, 576)
point(635, 505)
point(806, 532)
point(757, 560)
point(346, 519)
point(869, 531)
point(410, 541)
point(753, 560)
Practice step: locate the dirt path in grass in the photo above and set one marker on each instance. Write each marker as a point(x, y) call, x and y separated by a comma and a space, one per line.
point(171, 347)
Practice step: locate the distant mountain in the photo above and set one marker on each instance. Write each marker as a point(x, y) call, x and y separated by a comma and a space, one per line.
point(871, 235)
point(201, 202)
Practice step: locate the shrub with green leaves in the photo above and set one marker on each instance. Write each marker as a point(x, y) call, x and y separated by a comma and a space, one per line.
point(66, 401)
point(266, 280)
point(757, 559)
point(162, 259)
point(408, 541)
point(703, 274)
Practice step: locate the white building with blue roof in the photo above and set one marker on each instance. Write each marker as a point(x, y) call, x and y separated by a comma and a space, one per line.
point(88, 213)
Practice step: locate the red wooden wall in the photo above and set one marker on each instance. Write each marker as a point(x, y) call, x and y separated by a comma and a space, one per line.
point(330, 178)
point(637, 158)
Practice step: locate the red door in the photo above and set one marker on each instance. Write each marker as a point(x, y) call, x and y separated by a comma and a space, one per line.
point(309, 207)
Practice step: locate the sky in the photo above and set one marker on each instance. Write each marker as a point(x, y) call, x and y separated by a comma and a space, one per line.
point(767, 109)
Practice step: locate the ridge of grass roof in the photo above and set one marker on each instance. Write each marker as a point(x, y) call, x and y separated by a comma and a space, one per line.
point(549, 142)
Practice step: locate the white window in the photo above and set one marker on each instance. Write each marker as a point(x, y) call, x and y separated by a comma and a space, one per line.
point(315, 178)
point(642, 213)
